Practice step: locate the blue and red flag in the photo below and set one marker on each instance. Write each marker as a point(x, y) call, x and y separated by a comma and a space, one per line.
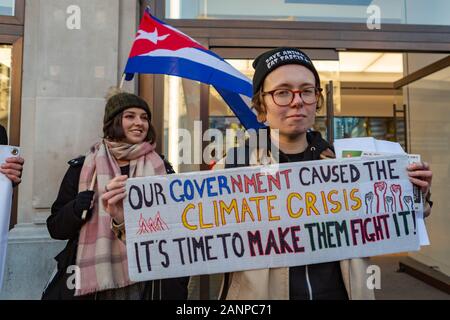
point(162, 49)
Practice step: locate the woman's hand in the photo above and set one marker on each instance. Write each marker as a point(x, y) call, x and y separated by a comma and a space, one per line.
point(12, 169)
point(113, 196)
point(421, 175)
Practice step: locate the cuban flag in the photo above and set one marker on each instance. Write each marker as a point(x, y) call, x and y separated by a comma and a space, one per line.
point(162, 49)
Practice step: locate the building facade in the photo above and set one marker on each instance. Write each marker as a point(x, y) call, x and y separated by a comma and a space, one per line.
point(384, 65)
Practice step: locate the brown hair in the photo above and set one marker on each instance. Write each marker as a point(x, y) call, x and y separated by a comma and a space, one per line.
point(113, 130)
point(258, 105)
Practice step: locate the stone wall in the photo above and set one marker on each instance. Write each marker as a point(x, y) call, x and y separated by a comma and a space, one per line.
point(74, 50)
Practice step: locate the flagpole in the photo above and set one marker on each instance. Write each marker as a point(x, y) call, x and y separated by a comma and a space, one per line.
point(122, 81)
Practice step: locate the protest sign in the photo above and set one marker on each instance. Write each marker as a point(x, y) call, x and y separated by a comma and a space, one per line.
point(5, 205)
point(263, 217)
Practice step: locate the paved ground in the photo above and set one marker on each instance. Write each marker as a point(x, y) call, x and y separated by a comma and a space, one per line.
point(398, 285)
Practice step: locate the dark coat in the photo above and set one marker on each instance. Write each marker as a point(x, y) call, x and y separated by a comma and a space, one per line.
point(65, 224)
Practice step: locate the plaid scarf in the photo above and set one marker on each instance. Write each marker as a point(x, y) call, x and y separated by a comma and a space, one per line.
point(101, 256)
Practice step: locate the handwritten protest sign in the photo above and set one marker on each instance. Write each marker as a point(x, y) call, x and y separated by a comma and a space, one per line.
point(5, 205)
point(369, 147)
point(252, 218)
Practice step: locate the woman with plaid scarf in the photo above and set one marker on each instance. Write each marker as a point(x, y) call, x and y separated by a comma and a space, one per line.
point(89, 210)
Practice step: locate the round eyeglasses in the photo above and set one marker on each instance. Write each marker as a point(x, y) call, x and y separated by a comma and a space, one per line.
point(284, 97)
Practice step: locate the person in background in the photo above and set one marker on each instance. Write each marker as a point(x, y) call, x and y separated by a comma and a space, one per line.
point(286, 96)
point(96, 243)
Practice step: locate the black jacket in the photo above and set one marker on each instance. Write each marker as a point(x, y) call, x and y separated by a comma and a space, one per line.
point(65, 224)
point(317, 281)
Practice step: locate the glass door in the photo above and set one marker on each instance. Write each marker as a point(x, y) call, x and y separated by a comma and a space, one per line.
point(427, 90)
point(360, 99)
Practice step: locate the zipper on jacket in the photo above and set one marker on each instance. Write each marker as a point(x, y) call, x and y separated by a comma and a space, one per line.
point(308, 283)
point(313, 150)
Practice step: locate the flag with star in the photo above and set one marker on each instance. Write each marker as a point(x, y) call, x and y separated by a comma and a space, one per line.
point(161, 49)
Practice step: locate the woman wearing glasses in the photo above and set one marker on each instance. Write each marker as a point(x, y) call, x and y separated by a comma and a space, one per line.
point(286, 96)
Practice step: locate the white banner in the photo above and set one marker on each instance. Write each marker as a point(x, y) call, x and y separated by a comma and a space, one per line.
point(5, 206)
point(264, 217)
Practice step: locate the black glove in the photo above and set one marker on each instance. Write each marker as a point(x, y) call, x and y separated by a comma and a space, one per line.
point(83, 202)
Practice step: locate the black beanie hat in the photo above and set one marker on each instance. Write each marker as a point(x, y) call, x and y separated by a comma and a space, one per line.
point(124, 100)
point(268, 61)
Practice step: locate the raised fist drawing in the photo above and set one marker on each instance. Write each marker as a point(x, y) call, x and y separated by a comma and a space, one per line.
point(396, 190)
point(369, 201)
point(380, 191)
point(409, 202)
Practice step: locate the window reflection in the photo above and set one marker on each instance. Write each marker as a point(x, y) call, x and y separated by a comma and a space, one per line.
point(363, 98)
point(7, 7)
point(181, 116)
point(348, 11)
point(5, 84)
